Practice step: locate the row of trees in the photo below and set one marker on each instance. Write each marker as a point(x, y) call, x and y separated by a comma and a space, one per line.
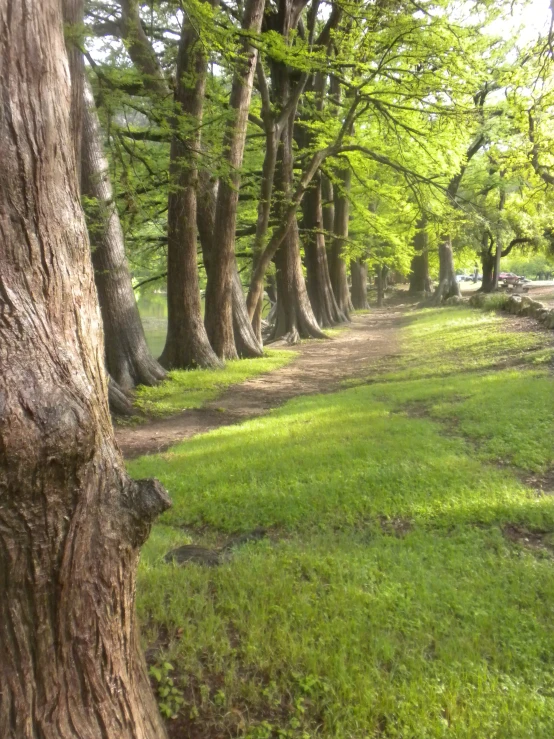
point(271, 131)
point(299, 142)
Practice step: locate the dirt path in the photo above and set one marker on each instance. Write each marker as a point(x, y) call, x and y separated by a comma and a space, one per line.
point(320, 368)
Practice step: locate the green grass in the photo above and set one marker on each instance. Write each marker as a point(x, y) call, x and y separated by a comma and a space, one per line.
point(192, 388)
point(387, 601)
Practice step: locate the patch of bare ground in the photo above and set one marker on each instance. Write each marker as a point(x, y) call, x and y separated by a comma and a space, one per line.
point(321, 367)
point(396, 526)
point(534, 539)
point(542, 483)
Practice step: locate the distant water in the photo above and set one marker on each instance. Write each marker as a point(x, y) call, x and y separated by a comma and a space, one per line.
point(153, 312)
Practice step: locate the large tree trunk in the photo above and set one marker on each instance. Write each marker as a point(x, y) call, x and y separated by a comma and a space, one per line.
point(448, 286)
point(128, 358)
point(337, 263)
point(320, 290)
point(187, 343)
point(247, 343)
point(358, 270)
point(295, 318)
point(71, 520)
point(219, 314)
point(420, 281)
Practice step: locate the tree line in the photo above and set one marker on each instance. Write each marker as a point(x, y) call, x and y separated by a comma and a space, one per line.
point(286, 147)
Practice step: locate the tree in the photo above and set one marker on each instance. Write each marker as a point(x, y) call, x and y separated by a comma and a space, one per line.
point(219, 317)
point(72, 520)
point(187, 343)
point(128, 359)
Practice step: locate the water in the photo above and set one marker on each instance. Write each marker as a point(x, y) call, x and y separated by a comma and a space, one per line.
point(153, 312)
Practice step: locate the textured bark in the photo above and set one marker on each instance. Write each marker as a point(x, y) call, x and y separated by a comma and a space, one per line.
point(337, 263)
point(187, 343)
point(120, 403)
point(255, 307)
point(294, 316)
point(420, 281)
point(448, 286)
point(246, 342)
point(320, 290)
point(358, 270)
point(128, 359)
point(73, 15)
point(71, 520)
point(140, 50)
point(219, 314)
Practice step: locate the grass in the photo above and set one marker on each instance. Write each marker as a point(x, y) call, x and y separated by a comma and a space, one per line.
point(192, 388)
point(387, 600)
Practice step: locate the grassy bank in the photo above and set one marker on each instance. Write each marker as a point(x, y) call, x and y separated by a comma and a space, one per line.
point(405, 588)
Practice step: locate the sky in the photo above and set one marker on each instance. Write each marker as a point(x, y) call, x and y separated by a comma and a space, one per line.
point(533, 19)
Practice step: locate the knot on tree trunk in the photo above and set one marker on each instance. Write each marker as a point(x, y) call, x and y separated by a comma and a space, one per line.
point(147, 499)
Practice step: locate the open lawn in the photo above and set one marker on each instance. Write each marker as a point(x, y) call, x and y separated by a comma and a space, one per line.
point(406, 585)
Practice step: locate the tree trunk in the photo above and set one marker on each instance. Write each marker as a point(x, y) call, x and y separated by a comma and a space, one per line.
point(420, 281)
point(246, 341)
point(497, 258)
point(320, 290)
point(448, 285)
point(128, 358)
point(262, 224)
point(487, 264)
point(358, 270)
point(382, 272)
point(295, 318)
point(337, 264)
point(73, 18)
point(71, 520)
point(187, 343)
point(219, 314)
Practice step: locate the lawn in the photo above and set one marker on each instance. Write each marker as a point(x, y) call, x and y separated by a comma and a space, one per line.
point(405, 588)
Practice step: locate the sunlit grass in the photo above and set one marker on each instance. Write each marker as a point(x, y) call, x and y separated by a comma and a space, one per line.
point(334, 626)
point(192, 388)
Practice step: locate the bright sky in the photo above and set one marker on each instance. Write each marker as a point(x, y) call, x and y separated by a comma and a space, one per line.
point(533, 18)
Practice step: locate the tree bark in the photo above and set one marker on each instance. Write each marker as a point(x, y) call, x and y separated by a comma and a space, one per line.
point(337, 264)
point(128, 359)
point(187, 343)
point(420, 281)
point(487, 263)
point(295, 318)
point(247, 343)
point(358, 270)
point(219, 315)
point(71, 520)
point(319, 286)
point(73, 16)
point(448, 286)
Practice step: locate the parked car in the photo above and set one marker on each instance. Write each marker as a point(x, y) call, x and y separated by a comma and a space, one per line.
point(509, 278)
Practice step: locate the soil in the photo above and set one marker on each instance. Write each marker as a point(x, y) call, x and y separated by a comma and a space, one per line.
point(321, 367)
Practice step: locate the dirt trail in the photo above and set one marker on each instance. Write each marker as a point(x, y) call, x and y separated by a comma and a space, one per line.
point(320, 367)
